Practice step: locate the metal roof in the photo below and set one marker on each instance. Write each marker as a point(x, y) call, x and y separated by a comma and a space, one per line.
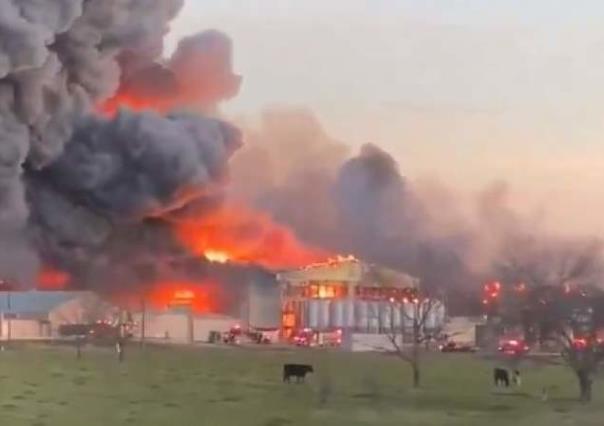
point(349, 270)
point(35, 302)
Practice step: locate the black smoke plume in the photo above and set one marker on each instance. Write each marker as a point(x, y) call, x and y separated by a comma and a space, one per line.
point(83, 185)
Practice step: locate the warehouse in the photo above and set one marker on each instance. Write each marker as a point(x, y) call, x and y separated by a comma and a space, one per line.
point(186, 312)
point(364, 302)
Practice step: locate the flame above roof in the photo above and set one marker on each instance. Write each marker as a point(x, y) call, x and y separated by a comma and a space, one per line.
point(348, 269)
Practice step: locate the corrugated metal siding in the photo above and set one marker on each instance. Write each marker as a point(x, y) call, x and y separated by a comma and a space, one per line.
point(32, 302)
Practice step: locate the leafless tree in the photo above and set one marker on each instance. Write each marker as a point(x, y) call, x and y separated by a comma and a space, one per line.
point(561, 300)
point(85, 310)
point(422, 309)
point(88, 308)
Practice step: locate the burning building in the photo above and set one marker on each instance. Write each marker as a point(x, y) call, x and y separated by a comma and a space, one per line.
point(115, 173)
point(229, 295)
point(351, 297)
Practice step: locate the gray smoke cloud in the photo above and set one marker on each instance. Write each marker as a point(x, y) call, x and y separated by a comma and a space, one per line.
point(115, 174)
point(79, 188)
point(91, 188)
point(138, 165)
point(363, 204)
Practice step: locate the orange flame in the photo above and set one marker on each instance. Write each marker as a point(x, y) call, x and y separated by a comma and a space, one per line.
point(52, 279)
point(200, 297)
point(231, 233)
point(244, 236)
point(216, 256)
point(136, 103)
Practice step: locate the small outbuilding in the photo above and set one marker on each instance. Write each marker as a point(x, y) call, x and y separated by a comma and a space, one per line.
point(37, 315)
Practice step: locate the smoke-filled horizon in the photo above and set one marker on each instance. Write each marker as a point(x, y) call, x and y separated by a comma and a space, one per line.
point(361, 202)
point(467, 92)
point(87, 166)
point(118, 168)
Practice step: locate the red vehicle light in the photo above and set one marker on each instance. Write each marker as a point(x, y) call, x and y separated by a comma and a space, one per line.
point(580, 343)
point(513, 347)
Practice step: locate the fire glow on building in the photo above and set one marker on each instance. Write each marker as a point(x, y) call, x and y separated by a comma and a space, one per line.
point(129, 165)
point(348, 295)
point(199, 298)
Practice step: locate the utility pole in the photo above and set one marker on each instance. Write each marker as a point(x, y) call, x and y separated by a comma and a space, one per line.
point(190, 325)
point(7, 287)
point(9, 324)
point(143, 320)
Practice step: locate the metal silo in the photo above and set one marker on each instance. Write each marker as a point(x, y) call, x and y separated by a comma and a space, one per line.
point(349, 318)
point(408, 312)
point(397, 322)
point(314, 308)
point(337, 313)
point(436, 316)
point(374, 316)
point(361, 315)
point(386, 316)
point(324, 316)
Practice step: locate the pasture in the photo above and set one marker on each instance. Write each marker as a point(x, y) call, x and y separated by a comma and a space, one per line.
point(48, 386)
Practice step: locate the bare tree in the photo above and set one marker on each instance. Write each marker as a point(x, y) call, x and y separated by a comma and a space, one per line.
point(561, 300)
point(421, 333)
point(83, 312)
point(87, 308)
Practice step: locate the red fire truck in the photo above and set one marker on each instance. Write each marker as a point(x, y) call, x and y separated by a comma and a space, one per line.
point(308, 337)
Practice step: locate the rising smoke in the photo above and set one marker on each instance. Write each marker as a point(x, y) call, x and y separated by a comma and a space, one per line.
point(80, 181)
point(358, 204)
point(94, 189)
point(363, 204)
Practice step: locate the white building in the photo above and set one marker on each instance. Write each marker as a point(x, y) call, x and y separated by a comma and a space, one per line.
point(181, 325)
point(37, 315)
point(367, 303)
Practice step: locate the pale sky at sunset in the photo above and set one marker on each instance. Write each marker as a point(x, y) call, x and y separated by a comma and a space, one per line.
point(469, 91)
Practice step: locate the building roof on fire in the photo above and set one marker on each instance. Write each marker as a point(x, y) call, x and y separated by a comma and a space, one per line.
point(36, 302)
point(349, 270)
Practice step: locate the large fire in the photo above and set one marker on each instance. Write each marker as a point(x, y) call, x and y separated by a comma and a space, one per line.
point(199, 297)
point(216, 256)
point(242, 235)
point(232, 233)
point(52, 279)
point(135, 103)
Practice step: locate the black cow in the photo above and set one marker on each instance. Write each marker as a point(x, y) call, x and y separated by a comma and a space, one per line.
point(299, 371)
point(501, 377)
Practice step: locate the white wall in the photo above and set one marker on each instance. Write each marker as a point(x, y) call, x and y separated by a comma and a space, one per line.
point(462, 329)
point(167, 327)
point(23, 329)
point(371, 342)
point(203, 325)
point(264, 304)
point(175, 325)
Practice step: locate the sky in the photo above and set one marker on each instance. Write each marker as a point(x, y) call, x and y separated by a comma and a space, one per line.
point(466, 91)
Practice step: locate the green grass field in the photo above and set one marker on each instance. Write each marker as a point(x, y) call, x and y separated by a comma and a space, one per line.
point(43, 386)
